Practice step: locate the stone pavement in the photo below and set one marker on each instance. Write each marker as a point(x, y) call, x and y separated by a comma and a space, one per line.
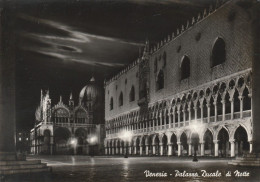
point(109, 169)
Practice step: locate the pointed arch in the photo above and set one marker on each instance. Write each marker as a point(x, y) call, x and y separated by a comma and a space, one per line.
point(208, 142)
point(111, 103)
point(120, 100)
point(218, 52)
point(160, 80)
point(241, 140)
point(246, 100)
point(223, 138)
point(184, 141)
point(132, 94)
point(185, 67)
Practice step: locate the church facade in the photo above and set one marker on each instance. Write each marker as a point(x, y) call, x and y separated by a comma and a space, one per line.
point(70, 129)
point(190, 93)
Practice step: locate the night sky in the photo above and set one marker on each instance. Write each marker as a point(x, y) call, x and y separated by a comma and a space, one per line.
point(61, 43)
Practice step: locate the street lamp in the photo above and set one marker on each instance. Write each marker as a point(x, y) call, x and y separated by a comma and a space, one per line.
point(197, 127)
point(92, 141)
point(126, 136)
point(74, 142)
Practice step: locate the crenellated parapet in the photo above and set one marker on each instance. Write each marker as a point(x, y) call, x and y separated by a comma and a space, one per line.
point(123, 71)
point(179, 31)
point(189, 24)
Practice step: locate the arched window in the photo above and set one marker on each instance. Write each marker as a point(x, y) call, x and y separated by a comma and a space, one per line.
point(121, 99)
point(185, 68)
point(218, 52)
point(111, 104)
point(160, 81)
point(132, 94)
point(155, 65)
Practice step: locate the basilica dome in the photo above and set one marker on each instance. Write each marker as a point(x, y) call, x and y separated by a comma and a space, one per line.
point(91, 92)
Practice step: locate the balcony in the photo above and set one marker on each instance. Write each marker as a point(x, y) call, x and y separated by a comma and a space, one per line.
point(236, 115)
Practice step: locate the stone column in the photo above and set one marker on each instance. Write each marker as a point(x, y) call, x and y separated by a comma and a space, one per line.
point(179, 148)
point(201, 112)
point(173, 118)
point(208, 109)
point(223, 110)
point(147, 149)
point(130, 150)
point(117, 150)
point(135, 150)
point(160, 117)
point(105, 150)
point(232, 108)
point(250, 146)
point(161, 149)
point(241, 105)
point(179, 117)
point(216, 147)
point(190, 146)
point(154, 150)
point(189, 110)
point(51, 145)
point(121, 150)
point(232, 144)
point(195, 110)
point(113, 151)
point(216, 111)
point(184, 116)
point(202, 149)
point(170, 119)
point(109, 150)
point(141, 150)
point(169, 149)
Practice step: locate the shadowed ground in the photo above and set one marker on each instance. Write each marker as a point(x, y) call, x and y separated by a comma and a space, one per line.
point(85, 168)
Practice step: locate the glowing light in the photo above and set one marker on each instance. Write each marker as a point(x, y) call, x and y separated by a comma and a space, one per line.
point(196, 126)
point(126, 136)
point(73, 141)
point(93, 140)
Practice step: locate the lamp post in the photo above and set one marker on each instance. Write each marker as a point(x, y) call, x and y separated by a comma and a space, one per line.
point(74, 142)
point(93, 141)
point(126, 136)
point(197, 127)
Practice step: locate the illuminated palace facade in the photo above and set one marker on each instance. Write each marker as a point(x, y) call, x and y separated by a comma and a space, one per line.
point(191, 92)
point(70, 129)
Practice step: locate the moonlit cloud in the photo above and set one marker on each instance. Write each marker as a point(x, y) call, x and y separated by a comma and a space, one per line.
point(70, 58)
point(76, 36)
point(73, 45)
